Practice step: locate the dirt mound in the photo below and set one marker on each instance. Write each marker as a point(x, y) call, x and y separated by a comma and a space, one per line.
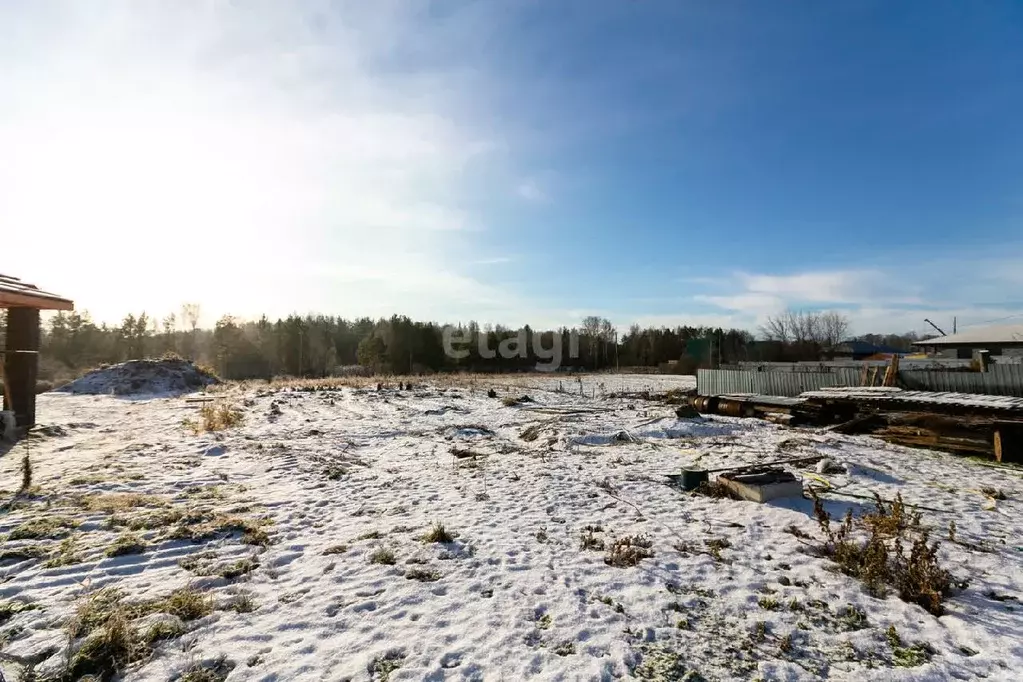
point(142, 377)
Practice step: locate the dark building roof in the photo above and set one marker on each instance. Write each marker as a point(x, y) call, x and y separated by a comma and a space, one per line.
point(999, 335)
point(17, 294)
point(864, 348)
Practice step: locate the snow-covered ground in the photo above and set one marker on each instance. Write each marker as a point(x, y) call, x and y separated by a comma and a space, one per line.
point(335, 476)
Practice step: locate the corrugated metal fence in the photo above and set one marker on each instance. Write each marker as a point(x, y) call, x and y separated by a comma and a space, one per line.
point(1006, 379)
point(998, 380)
point(723, 381)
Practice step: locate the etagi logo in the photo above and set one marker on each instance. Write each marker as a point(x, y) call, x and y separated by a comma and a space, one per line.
point(457, 341)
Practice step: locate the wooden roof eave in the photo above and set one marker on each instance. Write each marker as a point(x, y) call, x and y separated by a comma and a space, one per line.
point(13, 299)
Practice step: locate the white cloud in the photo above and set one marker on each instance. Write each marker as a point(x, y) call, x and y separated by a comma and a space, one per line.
point(530, 191)
point(809, 286)
point(893, 299)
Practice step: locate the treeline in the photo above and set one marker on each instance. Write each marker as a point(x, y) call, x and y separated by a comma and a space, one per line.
point(321, 345)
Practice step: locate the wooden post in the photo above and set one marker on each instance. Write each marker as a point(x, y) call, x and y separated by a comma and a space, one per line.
point(20, 369)
point(998, 446)
point(891, 376)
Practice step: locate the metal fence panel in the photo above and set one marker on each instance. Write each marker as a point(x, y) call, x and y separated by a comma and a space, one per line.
point(723, 381)
point(1000, 379)
point(831, 365)
point(1004, 379)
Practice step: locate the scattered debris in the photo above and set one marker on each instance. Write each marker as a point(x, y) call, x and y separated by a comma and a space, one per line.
point(829, 466)
point(515, 402)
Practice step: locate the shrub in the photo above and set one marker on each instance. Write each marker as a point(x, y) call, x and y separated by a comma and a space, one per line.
point(873, 551)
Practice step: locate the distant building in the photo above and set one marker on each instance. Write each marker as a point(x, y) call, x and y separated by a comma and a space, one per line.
point(1005, 339)
point(861, 350)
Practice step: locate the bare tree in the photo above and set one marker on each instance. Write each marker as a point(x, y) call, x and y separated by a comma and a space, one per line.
point(190, 317)
point(834, 327)
point(829, 328)
point(775, 329)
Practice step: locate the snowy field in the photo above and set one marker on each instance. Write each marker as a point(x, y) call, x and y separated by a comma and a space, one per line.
point(302, 529)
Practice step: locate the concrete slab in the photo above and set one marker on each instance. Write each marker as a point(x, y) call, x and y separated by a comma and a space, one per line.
point(763, 485)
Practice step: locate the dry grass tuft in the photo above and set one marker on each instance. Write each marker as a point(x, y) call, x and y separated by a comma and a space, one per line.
point(383, 555)
point(716, 489)
point(24, 553)
point(42, 528)
point(206, 526)
point(628, 551)
point(589, 541)
point(438, 533)
point(238, 568)
point(242, 603)
point(423, 575)
point(215, 416)
point(381, 667)
point(214, 671)
point(187, 604)
point(119, 502)
point(127, 543)
point(11, 608)
point(107, 650)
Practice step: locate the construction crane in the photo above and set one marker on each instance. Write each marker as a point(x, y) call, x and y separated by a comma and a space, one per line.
point(935, 326)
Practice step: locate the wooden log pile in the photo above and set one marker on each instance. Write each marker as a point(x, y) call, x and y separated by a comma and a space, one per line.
point(967, 434)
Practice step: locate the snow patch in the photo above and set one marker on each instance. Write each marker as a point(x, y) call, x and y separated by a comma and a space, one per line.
point(142, 377)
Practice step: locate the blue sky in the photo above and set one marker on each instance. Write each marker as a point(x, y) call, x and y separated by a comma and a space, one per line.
point(519, 161)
